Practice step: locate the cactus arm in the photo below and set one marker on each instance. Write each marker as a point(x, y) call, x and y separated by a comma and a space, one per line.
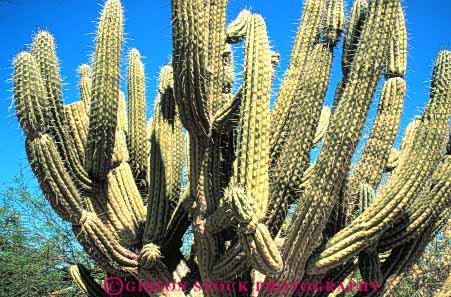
point(286, 177)
point(261, 250)
point(115, 210)
point(306, 38)
point(108, 252)
point(158, 206)
point(130, 193)
point(203, 155)
point(297, 134)
point(425, 207)
point(403, 257)
point(105, 92)
point(396, 62)
point(149, 255)
point(283, 125)
point(251, 165)
point(98, 242)
point(137, 141)
point(377, 150)
point(120, 205)
point(403, 184)
point(56, 182)
point(332, 23)
point(332, 165)
point(370, 168)
point(230, 265)
point(85, 282)
point(64, 185)
point(253, 123)
point(356, 22)
point(165, 161)
point(254, 237)
point(43, 154)
point(236, 30)
point(366, 196)
point(216, 49)
point(408, 140)
point(43, 51)
point(227, 117)
point(406, 144)
point(39, 105)
point(357, 18)
point(85, 85)
point(77, 117)
point(30, 94)
point(56, 124)
point(190, 56)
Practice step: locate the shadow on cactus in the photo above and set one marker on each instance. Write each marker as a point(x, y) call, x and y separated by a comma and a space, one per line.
point(118, 179)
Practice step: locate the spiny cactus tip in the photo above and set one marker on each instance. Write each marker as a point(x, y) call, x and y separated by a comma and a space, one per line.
point(84, 70)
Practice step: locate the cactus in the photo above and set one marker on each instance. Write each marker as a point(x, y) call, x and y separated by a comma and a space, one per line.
point(231, 168)
point(85, 282)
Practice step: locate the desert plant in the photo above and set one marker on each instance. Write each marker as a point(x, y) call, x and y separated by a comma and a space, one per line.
point(120, 183)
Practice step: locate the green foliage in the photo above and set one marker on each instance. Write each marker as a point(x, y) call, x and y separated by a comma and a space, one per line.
point(36, 247)
point(425, 278)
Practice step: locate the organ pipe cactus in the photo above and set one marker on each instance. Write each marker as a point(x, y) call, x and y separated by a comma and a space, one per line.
point(119, 180)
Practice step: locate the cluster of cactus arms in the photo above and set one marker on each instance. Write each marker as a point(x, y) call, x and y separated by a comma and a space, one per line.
point(227, 165)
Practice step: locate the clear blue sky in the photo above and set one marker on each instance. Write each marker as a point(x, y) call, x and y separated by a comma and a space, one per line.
point(73, 23)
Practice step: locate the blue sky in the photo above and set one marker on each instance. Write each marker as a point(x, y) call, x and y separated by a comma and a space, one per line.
point(147, 27)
